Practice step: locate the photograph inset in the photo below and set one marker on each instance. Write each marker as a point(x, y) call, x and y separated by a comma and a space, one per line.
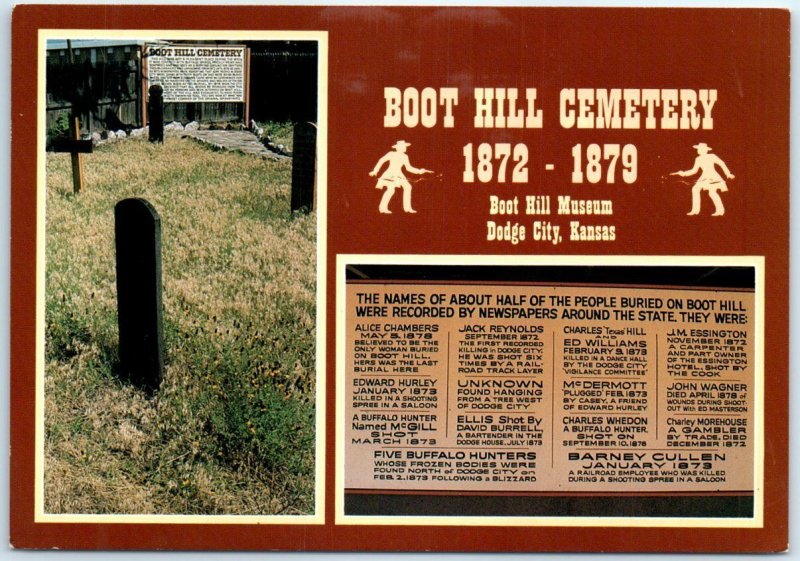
point(181, 276)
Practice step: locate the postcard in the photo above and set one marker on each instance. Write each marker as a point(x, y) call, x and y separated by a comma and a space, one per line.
point(400, 278)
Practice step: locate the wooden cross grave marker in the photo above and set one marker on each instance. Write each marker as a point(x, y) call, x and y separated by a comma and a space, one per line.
point(75, 146)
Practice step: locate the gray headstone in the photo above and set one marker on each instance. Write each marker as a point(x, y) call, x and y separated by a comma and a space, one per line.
point(304, 167)
point(141, 338)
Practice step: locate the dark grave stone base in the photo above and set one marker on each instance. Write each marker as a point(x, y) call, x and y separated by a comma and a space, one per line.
point(141, 341)
point(155, 113)
point(304, 167)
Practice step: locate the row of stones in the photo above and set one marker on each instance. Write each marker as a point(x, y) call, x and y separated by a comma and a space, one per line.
point(110, 136)
point(278, 150)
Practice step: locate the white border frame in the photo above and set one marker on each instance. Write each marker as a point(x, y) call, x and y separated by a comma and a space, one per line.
point(321, 37)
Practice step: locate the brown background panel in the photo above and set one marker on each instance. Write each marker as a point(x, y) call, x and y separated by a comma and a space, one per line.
point(550, 50)
point(742, 53)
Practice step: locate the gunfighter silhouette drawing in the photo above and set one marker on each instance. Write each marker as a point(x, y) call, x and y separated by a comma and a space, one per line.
point(393, 177)
point(710, 180)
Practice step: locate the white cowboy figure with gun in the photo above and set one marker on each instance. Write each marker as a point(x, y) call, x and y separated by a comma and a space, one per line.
point(394, 177)
point(709, 180)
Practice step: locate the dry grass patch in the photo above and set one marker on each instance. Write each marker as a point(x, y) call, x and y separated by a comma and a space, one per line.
point(232, 428)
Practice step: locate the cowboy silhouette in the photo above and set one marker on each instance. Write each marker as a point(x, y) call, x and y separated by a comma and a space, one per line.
point(709, 180)
point(393, 177)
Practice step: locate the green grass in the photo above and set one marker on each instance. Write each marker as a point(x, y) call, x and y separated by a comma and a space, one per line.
point(231, 430)
point(280, 133)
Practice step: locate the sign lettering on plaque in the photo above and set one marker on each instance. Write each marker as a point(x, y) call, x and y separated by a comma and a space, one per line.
point(195, 73)
point(485, 387)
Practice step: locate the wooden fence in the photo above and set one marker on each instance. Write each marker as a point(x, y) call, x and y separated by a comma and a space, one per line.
point(105, 85)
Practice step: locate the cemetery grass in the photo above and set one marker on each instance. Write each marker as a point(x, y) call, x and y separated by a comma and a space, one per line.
point(231, 430)
point(279, 132)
